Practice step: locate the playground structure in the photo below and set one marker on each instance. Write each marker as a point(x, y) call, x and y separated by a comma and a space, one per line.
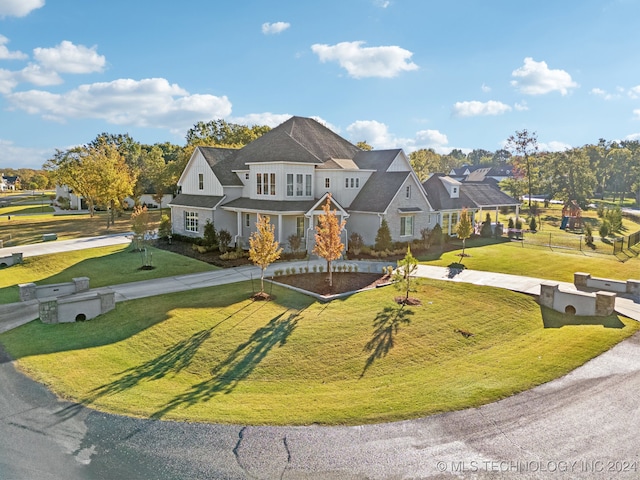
point(571, 216)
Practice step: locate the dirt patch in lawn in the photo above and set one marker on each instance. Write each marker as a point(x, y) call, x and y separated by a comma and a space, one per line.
point(342, 282)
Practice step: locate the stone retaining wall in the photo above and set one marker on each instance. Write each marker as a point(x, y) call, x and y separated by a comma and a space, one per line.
point(585, 280)
point(574, 302)
point(10, 260)
point(77, 307)
point(29, 291)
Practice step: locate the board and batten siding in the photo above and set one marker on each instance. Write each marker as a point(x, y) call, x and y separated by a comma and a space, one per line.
point(424, 219)
point(190, 178)
point(280, 170)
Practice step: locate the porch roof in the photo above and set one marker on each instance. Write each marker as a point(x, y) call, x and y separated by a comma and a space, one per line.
point(196, 201)
point(280, 206)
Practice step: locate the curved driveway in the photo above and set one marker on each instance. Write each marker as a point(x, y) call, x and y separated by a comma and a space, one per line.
point(584, 425)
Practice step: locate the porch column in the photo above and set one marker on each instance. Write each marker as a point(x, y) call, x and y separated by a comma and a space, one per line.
point(238, 228)
point(280, 228)
point(449, 223)
point(496, 214)
point(517, 212)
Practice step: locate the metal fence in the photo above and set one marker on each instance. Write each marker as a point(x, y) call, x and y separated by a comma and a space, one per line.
point(555, 241)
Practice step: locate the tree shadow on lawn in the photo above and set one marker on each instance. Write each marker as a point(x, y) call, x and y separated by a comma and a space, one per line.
point(385, 327)
point(553, 319)
point(238, 365)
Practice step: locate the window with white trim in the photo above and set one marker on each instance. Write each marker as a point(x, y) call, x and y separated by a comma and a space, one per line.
point(273, 183)
point(352, 182)
point(300, 227)
point(299, 179)
point(247, 220)
point(327, 183)
point(289, 184)
point(307, 185)
point(259, 184)
point(191, 221)
point(406, 226)
point(265, 184)
point(201, 181)
point(408, 191)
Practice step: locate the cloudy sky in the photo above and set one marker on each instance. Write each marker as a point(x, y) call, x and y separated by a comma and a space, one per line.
point(396, 73)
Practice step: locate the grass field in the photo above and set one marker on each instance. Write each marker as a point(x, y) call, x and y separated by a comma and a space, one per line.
point(213, 355)
point(104, 266)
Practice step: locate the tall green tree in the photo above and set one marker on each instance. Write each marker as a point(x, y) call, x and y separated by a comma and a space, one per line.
point(224, 134)
point(524, 145)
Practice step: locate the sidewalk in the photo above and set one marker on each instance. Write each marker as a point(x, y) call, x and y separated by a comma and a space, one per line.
point(15, 314)
point(59, 246)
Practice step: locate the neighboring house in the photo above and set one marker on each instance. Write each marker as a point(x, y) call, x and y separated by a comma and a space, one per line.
point(9, 182)
point(450, 196)
point(478, 173)
point(79, 203)
point(287, 174)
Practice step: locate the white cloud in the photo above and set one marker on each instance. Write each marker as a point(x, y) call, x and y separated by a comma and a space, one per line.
point(22, 157)
point(475, 108)
point(485, 88)
point(378, 136)
point(634, 92)
point(554, 146)
point(8, 81)
point(266, 118)
point(151, 102)
point(70, 58)
point(636, 114)
point(633, 136)
point(535, 78)
point(37, 75)
point(360, 62)
point(521, 107)
point(6, 54)
point(382, 3)
point(273, 28)
point(606, 95)
point(18, 8)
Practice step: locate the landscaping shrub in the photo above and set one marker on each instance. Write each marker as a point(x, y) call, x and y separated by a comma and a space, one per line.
point(355, 243)
point(164, 230)
point(426, 238)
point(224, 239)
point(533, 226)
point(436, 235)
point(210, 234)
point(588, 234)
point(383, 237)
point(295, 243)
point(486, 231)
point(604, 229)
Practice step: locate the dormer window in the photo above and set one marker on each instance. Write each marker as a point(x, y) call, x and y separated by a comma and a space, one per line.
point(455, 189)
point(408, 193)
point(201, 181)
point(327, 183)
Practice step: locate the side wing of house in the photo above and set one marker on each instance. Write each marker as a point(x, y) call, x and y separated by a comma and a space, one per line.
point(394, 193)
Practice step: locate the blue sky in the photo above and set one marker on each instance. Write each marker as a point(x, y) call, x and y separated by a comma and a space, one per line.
point(397, 73)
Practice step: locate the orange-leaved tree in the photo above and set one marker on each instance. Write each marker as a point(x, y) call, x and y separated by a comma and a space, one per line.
point(264, 249)
point(328, 230)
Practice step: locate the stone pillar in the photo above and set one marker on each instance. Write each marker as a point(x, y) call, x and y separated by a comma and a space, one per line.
point(107, 302)
point(581, 279)
point(49, 310)
point(633, 288)
point(605, 303)
point(27, 291)
point(547, 293)
point(81, 284)
point(16, 258)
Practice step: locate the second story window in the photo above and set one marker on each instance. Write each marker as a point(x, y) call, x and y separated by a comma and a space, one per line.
point(259, 184)
point(327, 183)
point(307, 185)
point(352, 182)
point(201, 181)
point(299, 178)
point(265, 184)
point(408, 191)
point(289, 184)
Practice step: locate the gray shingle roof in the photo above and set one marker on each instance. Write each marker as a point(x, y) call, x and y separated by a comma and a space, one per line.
point(376, 195)
point(196, 201)
point(290, 207)
point(472, 195)
point(298, 139)
point(223, 161)
point(379, 160)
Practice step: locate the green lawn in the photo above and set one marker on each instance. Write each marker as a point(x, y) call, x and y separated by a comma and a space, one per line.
point(213, 355)
point(533, 261)
point(104, 266)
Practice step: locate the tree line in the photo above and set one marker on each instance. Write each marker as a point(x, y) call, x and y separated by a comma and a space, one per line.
point(114, 166)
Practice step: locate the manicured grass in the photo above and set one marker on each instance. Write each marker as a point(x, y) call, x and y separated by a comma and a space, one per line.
point(532, 261)
point(213, 355)
point(25, 210)
point(27, 229)
point(104, 266)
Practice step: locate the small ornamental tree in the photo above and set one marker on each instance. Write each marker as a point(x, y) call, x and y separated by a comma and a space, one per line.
point(355, 243)
point(464, 228)
point(295, 243)
point(402, 275)
point(383, 237)
point(165, 227)
point(328, 230)
point(210, 234)
point(139, 224)
point(263, 247)
point(224, 239)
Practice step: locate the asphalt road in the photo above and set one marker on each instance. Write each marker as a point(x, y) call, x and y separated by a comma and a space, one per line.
point(584, 425)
